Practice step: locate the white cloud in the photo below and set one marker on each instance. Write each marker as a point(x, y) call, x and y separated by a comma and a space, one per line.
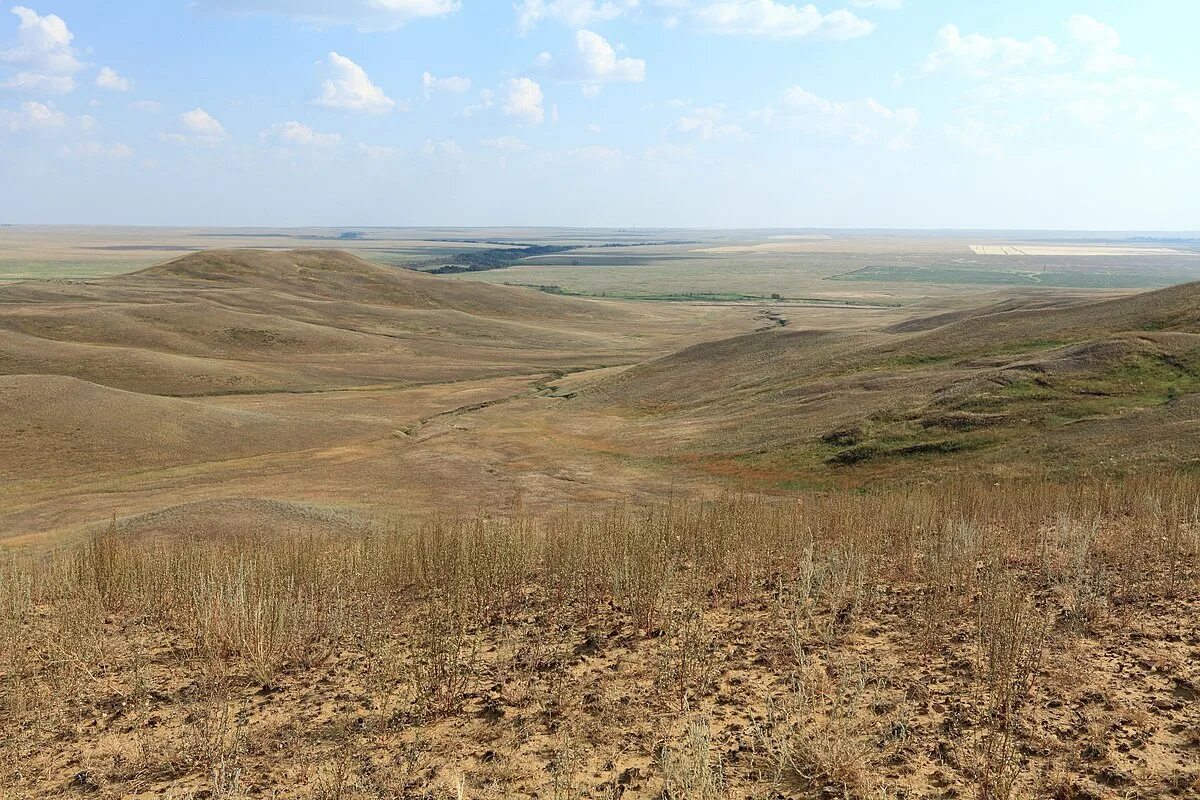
point(365, 14)
point(43, 44)
point(1102, 41)
point(200, 123)
point(109, 79)
point(38, 82)
point(115, 152)
point(32, 116)
point(148, 106)
point(448, 147)
point(595, 152)
point(199, 127)
point(376, 151)
point(709, 123)
point(298, 133)
point(1083, 88)
point(979, 56)
point(43, 56)
point(508, 143)
point(860, 121)
point(349, 87)
point(487, 99)
point(523, 99)
point(453, 84)
point(598, 63)
point(775, 19)
point(575, 13)
point(889, 5)
point(1113, 107)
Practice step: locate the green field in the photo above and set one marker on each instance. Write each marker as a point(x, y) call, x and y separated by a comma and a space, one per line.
point(1097, 278)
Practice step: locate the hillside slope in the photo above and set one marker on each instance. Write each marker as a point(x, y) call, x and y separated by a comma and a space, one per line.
point(1006, 387)
point(57, 425)
point(253, 321)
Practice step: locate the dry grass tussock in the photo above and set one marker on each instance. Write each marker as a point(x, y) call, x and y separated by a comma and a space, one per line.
point(987, 640)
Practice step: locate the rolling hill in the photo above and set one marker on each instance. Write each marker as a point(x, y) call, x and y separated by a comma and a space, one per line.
point(1007, 387)
point(226, 321)
point(55, 425)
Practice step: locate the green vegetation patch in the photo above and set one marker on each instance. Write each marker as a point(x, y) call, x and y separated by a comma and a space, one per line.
point(1137, 381)
point(498, 258)
point(672, 297)
point(1072, 279)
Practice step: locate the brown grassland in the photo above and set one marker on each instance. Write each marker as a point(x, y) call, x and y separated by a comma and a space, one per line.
point(1011, 640)
point(290, 523)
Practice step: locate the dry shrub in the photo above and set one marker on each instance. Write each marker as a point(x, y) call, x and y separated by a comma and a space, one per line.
point(1011, 635)
point(444, 659)
point(821, 737)
point(1073, 568)
point(639, 564)
point(690, 769)
point(946, 570)
point(688, 664)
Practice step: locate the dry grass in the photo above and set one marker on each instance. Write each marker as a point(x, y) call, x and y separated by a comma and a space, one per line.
point(938, 638)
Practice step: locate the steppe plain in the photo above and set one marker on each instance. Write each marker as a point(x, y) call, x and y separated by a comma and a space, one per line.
point(808, 513)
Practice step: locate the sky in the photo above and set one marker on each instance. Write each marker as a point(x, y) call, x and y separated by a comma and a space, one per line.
point(1009, 114)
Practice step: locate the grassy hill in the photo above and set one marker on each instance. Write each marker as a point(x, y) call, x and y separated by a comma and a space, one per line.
point(227, 321)
point(1006, 387)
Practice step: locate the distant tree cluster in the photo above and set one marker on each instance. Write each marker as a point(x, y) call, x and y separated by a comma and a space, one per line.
point(499, 258)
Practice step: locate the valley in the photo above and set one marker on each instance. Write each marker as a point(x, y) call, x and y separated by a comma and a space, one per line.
point(445, 536)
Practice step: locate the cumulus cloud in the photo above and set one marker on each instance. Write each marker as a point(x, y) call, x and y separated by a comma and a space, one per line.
point(453, 84)
point(1083, 86)
point(40, 83)
point(1101, 40)
point(575, 13)
point(297, 133)
point(524, 100)
point(197, 127)
point(350, 88)
point(43, 44)
point(109, 79)
point(775, 19)
point(980, 56)
point(43, 55)
point(364, 14)
point(32, 116)
point(889, 5)
point(597, 63)
point(200, 123)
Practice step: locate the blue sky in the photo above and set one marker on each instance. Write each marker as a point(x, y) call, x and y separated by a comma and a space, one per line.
point(708, 113)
